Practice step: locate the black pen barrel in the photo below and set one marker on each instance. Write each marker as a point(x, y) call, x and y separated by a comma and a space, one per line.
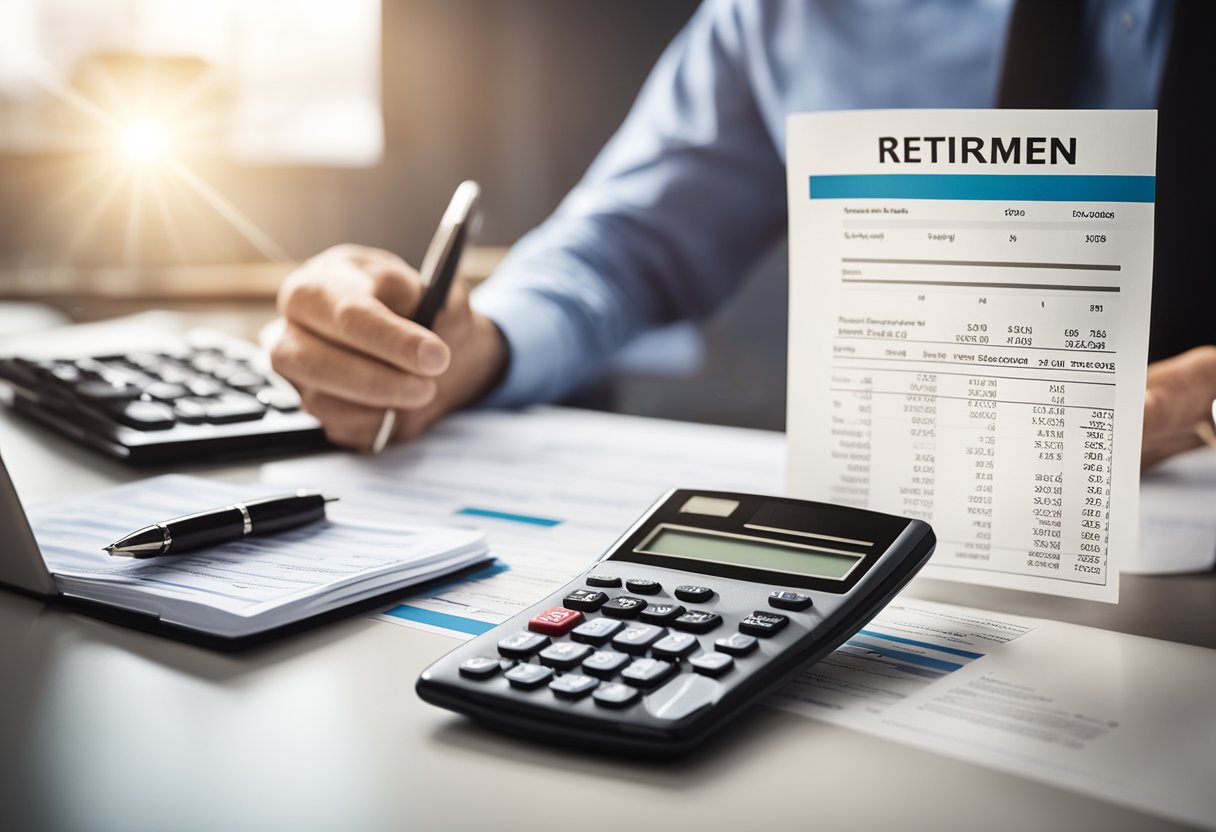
point(275, 514)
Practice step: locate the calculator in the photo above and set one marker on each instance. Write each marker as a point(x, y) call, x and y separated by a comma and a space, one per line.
point(202, 397)
point(708, 602)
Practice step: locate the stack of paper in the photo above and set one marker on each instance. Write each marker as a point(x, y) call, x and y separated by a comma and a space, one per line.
point(247, 586)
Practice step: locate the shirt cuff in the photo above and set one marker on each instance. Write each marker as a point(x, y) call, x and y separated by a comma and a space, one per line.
point(533, 327)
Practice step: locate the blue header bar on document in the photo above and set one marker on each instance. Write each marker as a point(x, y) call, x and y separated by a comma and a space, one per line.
point(993, 187)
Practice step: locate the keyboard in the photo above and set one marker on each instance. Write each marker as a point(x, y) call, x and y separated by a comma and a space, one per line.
point(202, 398)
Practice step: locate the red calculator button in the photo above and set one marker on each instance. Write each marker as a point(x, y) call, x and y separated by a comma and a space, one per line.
point(555, 621)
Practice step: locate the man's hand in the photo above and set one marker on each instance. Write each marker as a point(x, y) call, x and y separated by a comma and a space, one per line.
point(1177, 398)
point(349, 348)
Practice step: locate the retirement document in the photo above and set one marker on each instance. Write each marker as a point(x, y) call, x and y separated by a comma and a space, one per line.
point(969, 301)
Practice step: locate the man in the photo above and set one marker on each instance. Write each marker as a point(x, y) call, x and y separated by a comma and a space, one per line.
point(691, 190)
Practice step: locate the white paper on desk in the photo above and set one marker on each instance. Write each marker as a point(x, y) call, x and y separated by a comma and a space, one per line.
point(1177, 516)
point(328, 560)
point(969, 331)
point(1121, 718)
point(551, 487)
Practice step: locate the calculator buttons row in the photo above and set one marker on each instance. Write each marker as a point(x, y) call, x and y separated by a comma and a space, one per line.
point(763, 624)
point(785, 599)
point(555, 621)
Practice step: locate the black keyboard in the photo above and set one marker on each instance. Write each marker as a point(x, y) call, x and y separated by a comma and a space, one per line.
point(186, 402)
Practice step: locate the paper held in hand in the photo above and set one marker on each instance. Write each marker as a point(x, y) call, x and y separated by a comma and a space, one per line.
point(969, 300)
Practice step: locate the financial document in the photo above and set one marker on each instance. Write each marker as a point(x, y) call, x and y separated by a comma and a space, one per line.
point(1118, 717)
point(552, 488)
point(969, 298)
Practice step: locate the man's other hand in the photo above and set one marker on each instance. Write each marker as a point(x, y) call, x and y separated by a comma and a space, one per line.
point(1177, 400)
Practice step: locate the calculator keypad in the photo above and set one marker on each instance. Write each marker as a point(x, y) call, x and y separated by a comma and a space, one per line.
point(615, 649)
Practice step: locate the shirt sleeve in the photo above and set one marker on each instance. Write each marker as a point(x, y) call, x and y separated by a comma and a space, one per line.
point(663, 226)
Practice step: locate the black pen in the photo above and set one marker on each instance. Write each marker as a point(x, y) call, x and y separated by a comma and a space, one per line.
point(221, 525)
point(437, 273)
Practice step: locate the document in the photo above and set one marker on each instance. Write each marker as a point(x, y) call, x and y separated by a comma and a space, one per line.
point(969, 298)
point(246, 585)
point(552, 488)
point(1121, 718)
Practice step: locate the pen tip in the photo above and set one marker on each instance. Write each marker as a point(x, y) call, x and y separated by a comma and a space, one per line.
point(330, 499)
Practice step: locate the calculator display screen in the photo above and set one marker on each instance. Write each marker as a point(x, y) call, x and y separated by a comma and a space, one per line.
point(756, 553)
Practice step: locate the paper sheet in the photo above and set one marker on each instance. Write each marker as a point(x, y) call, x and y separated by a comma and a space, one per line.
point(245, 577)
point(1121, 718)
point(1177, 516)
point(552, 488)
point(969, 297)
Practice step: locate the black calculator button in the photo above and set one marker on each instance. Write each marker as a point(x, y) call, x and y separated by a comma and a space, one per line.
point(763, 624)
point(694, 594)
point(573, 685)
point(643, 586)
point(587, 600)
point(697, 621)
point(637, 638)
point(736, 644)
point(615, 695)
point(712, 664)
point(624, 606)
point(661, 613)
point(784, 599)
point(674, 646)
point(145, 415)
point(564, 655)
point(605, 663)
point(480, 667)
point(234, 408)
point(603, 580)
point(529, 676)
point(596, 631)
point(647, 673)
point(522, 644)
point(103, 391)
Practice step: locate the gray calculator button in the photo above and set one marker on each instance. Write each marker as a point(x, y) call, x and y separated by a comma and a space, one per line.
point(674, 646)
point(712, 664)
point(647, 673)
point(785, 599)
point(615, 695)
point(637, 638)
point(480, 667)
point(736, 644)
point(573, 685)
point(528, 676)
point(597, 630)
point(605, 663)
point(683, 697)
point(522, 644)
point(564, 655)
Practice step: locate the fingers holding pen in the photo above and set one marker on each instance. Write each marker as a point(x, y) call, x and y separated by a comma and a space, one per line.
point(359, 302)
point(317, 364)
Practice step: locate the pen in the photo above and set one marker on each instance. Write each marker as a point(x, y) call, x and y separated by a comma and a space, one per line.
point(232, 522)
point(437, 273)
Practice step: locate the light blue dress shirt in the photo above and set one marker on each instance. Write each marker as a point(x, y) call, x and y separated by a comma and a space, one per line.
point(691, 189)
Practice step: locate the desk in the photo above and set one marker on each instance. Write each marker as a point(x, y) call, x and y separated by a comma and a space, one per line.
point(108, 729)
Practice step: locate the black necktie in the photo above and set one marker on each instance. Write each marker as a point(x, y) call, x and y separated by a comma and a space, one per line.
point(1040, 71)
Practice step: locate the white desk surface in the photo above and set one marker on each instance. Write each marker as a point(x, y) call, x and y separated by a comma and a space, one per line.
point(103, 728)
